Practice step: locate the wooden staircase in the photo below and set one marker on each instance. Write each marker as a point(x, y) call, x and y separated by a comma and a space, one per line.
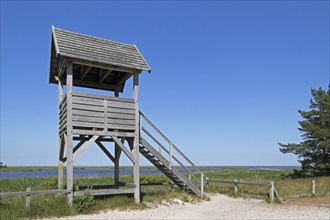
point(193, 184)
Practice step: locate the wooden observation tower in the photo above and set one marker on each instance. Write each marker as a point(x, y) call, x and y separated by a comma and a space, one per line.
point(83, 61)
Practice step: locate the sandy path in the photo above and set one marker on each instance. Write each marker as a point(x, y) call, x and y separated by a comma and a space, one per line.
point(219, 207)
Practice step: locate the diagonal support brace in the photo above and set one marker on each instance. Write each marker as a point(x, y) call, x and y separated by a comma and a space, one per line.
point(104, 149)
point(121, 145)
point(85, 146)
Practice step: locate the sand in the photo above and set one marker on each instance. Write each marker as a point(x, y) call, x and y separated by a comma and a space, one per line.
point(219, 207)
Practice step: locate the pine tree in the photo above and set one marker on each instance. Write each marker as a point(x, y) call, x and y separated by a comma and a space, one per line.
point(314, 151)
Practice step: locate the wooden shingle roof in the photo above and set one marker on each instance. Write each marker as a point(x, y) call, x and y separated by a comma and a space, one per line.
point(70, 45)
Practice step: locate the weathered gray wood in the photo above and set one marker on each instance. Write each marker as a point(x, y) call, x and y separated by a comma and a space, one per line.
point(69, 140)
point(104, 133)
point(99, 192)
point(121, 121)
point(202, 185)
point(60, 162)
point(85, 146)
point(87, 101)
point(177, 174)
point(95, 85)
point(114, 104)
point(173, 145)
point(121, 127)
point(86, 71)
point(75, 149)
point(104, 149)
point(105, 75)
point(136, 168)
point(87, 124)
point(121, 110)
point(40, 192)
point(121, 116)
point(271, 192)
point(88, 119)
point(313, 187)
point(28, 198)
point(95, 96)
point(124, 78)
point(235, 187)
point(103, 66)
point(117, 159)
point(105, 117)
point(101, 125)
point(123, 148)
point(170, 156)
point(239, 183)
point(88, 107)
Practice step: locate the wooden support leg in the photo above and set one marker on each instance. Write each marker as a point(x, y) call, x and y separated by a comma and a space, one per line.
point(60, 162)
point(116, 169)
point(69, 139)
point(136, 171)
point(69, 168)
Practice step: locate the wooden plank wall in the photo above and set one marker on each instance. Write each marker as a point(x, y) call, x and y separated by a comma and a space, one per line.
point(102, 112)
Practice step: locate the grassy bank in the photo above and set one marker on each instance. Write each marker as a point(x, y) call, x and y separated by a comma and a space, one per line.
point(38, 168)
point(286, 187)
point(55, 205)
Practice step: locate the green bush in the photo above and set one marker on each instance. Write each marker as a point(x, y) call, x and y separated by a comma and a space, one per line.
point(82, 203)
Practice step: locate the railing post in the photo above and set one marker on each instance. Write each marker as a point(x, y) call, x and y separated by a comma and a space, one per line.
point(207, 182)
point(189, 177)
point(28, 198)
point(235, 186)
point(140, 125)
point(202, 185)
point(313, 187)
point(170, 159)
point(271, 192)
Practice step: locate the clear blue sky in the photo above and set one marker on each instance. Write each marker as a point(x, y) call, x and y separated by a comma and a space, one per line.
point(227, 76)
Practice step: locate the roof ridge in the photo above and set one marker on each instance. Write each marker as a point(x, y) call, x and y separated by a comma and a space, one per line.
point(98, 38)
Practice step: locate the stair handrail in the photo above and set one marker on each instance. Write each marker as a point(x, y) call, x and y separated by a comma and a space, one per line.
point(162, 147)
point(170, 142)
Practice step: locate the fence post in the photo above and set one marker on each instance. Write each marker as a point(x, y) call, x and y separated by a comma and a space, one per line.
point(313, 187)
point(235, 186)
point(207, 182)
point(202, 185)
point(170, 159)
point(189, 177)
point(28, 198)
point(271, 191)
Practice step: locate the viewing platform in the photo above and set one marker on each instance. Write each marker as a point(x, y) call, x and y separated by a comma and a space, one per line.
point(98, 115)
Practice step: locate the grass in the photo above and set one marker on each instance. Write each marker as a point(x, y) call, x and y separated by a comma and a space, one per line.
point(286, 187)
point(38, 168)
point(56, 205)
point(152, 195)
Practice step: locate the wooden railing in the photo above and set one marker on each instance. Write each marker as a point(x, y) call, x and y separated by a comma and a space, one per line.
point(97, 112)
point(271, 186)
point(194, 174)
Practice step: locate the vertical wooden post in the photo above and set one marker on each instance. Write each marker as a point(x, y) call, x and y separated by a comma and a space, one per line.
point(235, 187)
point(271, 192)
point(136, 139)
point(189, 176)
point(170, 156)
point(202, 185)
point(60, 140)
point(117, 155)
point(28, 198)
point(69, 139)
point(313, 187)
point(207, 183)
